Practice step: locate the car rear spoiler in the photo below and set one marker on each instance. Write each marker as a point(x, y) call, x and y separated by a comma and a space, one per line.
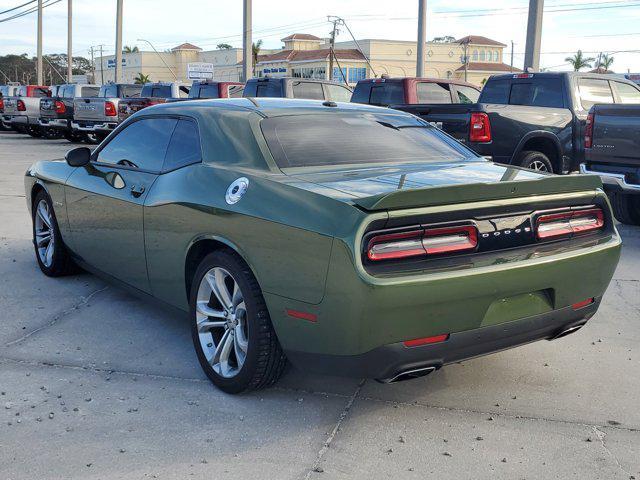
point(445, 195)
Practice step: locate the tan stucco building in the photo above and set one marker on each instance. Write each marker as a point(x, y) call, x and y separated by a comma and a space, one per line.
point(308, 56)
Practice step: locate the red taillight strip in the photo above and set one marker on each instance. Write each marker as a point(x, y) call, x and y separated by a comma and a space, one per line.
point(302, 315)
point(569, 223)
point(450, 239)
point(396, 245)
point(426, 340)
point(582, 304)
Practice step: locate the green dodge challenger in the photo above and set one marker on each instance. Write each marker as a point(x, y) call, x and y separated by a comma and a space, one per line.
point(346, 239)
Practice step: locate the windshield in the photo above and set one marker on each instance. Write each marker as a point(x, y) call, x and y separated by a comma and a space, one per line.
point(326, 139)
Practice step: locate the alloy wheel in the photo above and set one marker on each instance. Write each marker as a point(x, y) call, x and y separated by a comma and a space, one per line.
point(45, 238)
point(538, 166)
point(221, 320)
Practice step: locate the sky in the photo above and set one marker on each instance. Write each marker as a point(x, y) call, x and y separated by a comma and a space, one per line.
point(608, 26)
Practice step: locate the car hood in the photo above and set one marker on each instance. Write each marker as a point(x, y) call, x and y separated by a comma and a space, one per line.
point(406, 186)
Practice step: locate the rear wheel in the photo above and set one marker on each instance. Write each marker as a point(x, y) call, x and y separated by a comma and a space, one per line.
point(626, 207)
point(534, 160)
point(73, 136)
point(232, 332)
point(35, 132)
point(51, 133)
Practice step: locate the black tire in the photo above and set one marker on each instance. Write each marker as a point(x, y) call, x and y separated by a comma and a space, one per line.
point(94, 138)
point(35, 132)
point(61, 263)
point(265, 360)
point(626, 207)
point(51, 133)
point(74, 137)
point(534, 161)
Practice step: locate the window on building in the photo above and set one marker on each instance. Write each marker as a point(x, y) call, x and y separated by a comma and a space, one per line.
point(308, 90)
point(594, 90)
point(628, 93)
point(482, 56)
point(496, 56)
point(310, 72)
point(475, 56)
point(338, 75)
point(357, 73)
point(433, 93)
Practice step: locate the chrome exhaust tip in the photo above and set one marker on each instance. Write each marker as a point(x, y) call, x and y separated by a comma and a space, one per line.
point(410, 374)
point(567, 331)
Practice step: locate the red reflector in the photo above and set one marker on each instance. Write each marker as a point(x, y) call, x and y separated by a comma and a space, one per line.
point(588, 131)
point(302, 315)
point(109, 109)
point(21, 106)
point(569, 223)
point(479, 128)
point(426, 340)
point(584, 303)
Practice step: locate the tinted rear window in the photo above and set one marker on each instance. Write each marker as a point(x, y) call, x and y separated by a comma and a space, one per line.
point(89, 91)
point(315, 140)
point(388, 93)
point(161, 91)
point(208, 91)
point(543, 92)
point(308, 90)
point(130, 91)
point(433, 93)
point(263, 89)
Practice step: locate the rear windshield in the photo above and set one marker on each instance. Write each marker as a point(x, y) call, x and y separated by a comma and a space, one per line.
point(89, 91)
point(341, 139)
point(208, 91)
point(130, 91)
point(161, 91)
point(538, 92)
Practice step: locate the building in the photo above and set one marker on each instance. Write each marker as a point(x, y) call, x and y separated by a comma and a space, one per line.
point(308, 56)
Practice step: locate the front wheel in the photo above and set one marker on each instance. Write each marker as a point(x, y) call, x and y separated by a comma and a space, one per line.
point(533, 160)
point(231, 329)
point(626, 207)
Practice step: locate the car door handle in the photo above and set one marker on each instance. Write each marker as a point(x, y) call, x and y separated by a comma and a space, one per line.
point(137, 190)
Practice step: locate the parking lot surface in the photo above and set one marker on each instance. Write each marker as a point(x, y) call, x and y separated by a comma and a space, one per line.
point(95, 383)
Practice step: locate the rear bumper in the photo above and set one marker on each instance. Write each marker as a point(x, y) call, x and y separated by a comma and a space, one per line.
point(90, 126)
point(53, 122)
point(612, 181)
point(19, 120)
point(387, 362)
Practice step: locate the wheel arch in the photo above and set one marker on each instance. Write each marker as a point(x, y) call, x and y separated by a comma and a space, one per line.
point(544, 142)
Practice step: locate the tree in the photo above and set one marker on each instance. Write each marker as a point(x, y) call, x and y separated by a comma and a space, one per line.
point(128, 49)
point(224, 46)
point(141, 79)
point(579, 61)
point(21, 68)
point(445, 39)
point(255, 50)
point(605, 62)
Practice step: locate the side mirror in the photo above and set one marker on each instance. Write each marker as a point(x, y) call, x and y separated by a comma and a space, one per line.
point(78, 157)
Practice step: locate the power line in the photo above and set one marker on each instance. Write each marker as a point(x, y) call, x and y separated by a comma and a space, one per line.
point(33, 9)
point(19, 6)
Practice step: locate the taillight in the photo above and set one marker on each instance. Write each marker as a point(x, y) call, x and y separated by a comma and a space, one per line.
point(569, 223)
point(422, 242)
point(1, 105)
point(479, 128)
point(110, 109)
point(21, 106)
point(588, 131)
point(60, 107)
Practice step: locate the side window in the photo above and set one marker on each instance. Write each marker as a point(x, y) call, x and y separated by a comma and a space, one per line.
point(184, 147)
point(467, 94)
point(496, 91)
point(111, 91)
point(338, 93)
point(183, 92)
point(308, 90)
point(128, 150)
point(236, 91)
point(594, 90)
point(628, 93)
point(546, 92)
point(433, 93)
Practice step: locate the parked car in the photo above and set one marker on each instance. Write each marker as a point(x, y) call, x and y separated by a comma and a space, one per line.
point(56, 112)
point(22, 110)
point(96, 117)
point(350, 239)
point(6, 91)
point(292, 87)
point(612, 150)
point(534, 120)
point(153, 94)
point(410, 90)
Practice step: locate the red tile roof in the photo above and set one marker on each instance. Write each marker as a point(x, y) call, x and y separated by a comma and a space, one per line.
point(307, 55)
point(479, 40)
point(488, 67)
point(301, 36)
point(185, 46)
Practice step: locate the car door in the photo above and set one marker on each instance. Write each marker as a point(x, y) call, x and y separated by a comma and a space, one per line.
point(105, 199)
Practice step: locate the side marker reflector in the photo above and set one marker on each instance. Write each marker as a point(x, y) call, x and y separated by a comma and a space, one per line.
point(426, 340)
point(582, 304)
point(302, 315)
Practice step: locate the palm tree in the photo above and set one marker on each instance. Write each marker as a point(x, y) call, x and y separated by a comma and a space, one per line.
point(141, 79)
point(128, 49)
point(579, 61)
point(605, 62)
point(224, 46)
point(255, 50)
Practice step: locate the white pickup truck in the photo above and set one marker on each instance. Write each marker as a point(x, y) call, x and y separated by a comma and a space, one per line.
point(22, 110)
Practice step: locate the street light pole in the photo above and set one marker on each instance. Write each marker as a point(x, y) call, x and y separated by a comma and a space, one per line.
point(534, 35)
point(159, 56)
point(118, 68)
point(39, 47)
point(422, 36)
point(247, 45)
point(69, 47)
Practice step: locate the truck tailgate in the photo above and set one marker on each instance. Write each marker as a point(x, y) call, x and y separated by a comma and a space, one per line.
point(616, 135)
point(89, 109)
point(452, 118)
point(10, 106)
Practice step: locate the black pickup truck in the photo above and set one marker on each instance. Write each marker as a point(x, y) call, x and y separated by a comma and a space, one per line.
point(612, 150)
point(535, 120)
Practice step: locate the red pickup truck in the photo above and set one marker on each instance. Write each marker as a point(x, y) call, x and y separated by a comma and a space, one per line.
point(411, 90)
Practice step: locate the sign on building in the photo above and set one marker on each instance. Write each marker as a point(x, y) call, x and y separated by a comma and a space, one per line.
point(199, 71)
point(111, 63)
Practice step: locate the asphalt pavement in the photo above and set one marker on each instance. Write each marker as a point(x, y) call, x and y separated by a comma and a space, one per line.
point(98, 384)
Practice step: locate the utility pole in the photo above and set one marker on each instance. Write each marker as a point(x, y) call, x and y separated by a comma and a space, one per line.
point(39, 64)
point(332, 43)
point(465, 46)
point(118, 68)
point(422, 37)
point(93, 66)
point(534, 36)
point(512, 55)
point(101, 67)
point(247, 45)
point(69, 54)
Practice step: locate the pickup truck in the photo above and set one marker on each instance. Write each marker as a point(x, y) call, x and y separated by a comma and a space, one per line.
point(410, 90)
point(96, 117)
point(533, 120)
point(612, 150)
point(6, 91)
point(153, 94)
point(213, 89)
point(56, 112)
point(22, 110)
point(293, 87)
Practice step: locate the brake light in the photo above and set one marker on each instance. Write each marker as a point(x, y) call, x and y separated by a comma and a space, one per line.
point(523, 75)
point(479, 128)
point(60, 107)
point(588, 131)
point(426, 340)
point(569, 223)
point(422, 242)
point(109, 109)
point(21, 106)
point(1, 105)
